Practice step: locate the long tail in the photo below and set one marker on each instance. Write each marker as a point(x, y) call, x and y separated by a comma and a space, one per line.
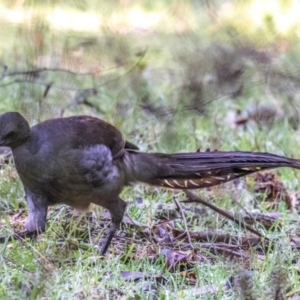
point(205, 169)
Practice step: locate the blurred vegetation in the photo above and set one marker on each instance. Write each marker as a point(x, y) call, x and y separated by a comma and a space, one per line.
point(172, 75)
point(149, 65)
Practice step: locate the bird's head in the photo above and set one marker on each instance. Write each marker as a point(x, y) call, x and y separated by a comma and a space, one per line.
point(14, 129)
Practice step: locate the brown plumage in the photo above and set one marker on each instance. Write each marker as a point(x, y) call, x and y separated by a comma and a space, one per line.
point(82, 160)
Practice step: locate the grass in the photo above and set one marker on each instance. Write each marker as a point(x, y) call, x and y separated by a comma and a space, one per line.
point(179, 85)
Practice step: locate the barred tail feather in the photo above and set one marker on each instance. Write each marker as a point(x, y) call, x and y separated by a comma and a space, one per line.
point(205, 169)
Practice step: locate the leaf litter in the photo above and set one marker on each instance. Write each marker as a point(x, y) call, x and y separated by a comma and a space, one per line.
point(182, 249)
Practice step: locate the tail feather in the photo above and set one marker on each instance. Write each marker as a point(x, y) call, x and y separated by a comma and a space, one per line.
point(205, 169)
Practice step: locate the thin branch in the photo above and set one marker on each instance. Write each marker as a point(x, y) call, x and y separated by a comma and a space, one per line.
point(179, 206)
point(193, 198)
point(20, 237)
point(42, 70)
point(61, 87)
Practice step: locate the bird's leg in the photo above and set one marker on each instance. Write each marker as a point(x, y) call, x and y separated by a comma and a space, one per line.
point(103, 245)
point(36, 221)
point(38, 206)
point(116, 209)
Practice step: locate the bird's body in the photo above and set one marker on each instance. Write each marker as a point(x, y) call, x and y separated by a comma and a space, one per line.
point(82, 160)
point(69, 162)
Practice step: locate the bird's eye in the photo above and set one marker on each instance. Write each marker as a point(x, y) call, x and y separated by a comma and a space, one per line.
point(10, 135)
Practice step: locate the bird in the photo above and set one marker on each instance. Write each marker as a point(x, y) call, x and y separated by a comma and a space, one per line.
point(82, 160)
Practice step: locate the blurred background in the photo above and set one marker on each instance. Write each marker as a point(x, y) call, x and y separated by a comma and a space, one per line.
point(172, 75)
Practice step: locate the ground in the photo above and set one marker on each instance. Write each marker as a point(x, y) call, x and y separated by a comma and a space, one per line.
point(171, 77)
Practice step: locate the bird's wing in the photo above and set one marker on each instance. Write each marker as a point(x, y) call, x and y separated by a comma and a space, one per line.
point(82, 131)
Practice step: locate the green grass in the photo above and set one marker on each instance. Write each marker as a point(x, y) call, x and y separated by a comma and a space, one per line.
point(169, 88)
